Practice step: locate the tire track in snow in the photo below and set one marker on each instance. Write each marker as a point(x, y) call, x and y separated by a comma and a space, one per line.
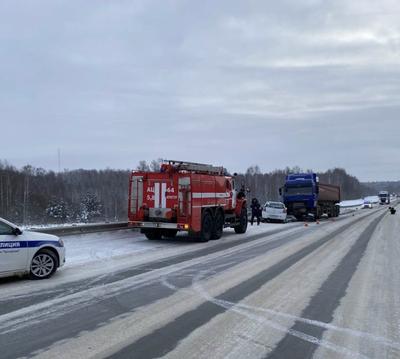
point(166, 338)
point(253, 312)
point(14, 303)
point(323, 304)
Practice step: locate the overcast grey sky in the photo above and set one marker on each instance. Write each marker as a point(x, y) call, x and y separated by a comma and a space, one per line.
point(274, 83)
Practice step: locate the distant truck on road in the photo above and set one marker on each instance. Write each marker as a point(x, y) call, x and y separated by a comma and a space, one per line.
point(384, 197)
point(303, 195)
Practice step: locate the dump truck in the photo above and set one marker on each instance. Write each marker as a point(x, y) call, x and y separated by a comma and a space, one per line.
point(196, 198)
point(304, 195)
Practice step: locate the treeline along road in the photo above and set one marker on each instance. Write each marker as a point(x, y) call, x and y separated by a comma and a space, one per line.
point(33, 196)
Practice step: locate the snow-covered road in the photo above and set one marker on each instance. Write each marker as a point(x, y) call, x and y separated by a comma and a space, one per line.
point(106, 253)
point(87, 248)
point(328, 290)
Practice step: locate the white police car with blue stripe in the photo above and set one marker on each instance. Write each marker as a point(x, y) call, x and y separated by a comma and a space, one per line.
point(24, 252)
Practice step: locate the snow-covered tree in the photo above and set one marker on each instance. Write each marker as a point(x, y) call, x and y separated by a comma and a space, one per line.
point(90, 208)
point(57, 210)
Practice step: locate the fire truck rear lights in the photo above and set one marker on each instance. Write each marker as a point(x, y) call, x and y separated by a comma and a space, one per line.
point(186, 226)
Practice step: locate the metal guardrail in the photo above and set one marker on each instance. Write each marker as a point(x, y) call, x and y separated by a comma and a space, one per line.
point(82, 229)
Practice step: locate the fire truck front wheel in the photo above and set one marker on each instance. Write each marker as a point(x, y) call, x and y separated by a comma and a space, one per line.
point(242, 226)
point(207, 225)
point(153, 234)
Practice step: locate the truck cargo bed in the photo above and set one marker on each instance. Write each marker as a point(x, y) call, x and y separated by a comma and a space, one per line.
point(329, 193)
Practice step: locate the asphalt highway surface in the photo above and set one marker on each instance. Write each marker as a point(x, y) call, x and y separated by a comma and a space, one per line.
point(321, 290)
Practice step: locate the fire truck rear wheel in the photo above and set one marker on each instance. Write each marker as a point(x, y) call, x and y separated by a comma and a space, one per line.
point(218, 225)
point(153, 234)
point(242, 226)
point(207, 225)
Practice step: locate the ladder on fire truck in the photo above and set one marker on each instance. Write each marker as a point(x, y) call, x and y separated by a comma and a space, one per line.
point(195, 167)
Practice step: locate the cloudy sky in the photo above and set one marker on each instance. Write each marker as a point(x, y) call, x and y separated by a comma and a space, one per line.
point(274, 83)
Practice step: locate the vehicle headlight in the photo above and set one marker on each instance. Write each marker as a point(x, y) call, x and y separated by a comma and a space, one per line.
point(61, 242)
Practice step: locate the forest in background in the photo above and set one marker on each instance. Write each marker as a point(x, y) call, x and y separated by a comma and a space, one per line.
point(33, 196)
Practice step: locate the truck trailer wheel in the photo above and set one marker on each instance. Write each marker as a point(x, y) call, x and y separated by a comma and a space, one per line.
point(242, 226)
point(207, 225)
point(218, 225)
point(153, 234)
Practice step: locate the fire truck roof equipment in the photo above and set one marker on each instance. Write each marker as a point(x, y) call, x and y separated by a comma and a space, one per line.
point(195, 167)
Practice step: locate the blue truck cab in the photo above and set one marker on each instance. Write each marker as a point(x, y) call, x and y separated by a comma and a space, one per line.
point(303, 195)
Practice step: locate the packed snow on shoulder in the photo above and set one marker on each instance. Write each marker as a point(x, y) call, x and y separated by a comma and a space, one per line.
point(102, 246)
point(371, 199)
point(352, 205)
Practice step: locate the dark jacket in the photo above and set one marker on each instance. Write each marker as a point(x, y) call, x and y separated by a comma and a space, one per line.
point(255, 208)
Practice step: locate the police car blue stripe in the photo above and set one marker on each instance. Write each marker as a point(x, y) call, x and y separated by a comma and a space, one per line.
point(41, 243)
point(27, 244)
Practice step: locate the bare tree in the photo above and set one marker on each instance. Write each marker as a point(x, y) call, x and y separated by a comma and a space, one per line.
point(143, 166)
point(155, 165)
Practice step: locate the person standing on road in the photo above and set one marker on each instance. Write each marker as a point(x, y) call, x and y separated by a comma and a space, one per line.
point(255, 211)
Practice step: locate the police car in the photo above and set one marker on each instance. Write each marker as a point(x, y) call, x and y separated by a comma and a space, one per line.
point(36, 254)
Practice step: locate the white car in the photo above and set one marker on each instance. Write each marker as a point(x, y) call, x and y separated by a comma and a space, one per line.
point(36, 254)
point(274, 211)
point(367, 205)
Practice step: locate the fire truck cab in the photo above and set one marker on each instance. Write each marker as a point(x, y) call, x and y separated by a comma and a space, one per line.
point(185, 196)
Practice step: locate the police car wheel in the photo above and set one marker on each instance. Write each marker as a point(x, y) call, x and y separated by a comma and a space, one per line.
point(43, 265)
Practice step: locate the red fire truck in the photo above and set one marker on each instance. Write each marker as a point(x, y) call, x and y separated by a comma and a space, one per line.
point(185, 196)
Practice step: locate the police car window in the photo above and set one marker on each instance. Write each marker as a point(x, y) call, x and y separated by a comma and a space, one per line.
point(5, 229)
